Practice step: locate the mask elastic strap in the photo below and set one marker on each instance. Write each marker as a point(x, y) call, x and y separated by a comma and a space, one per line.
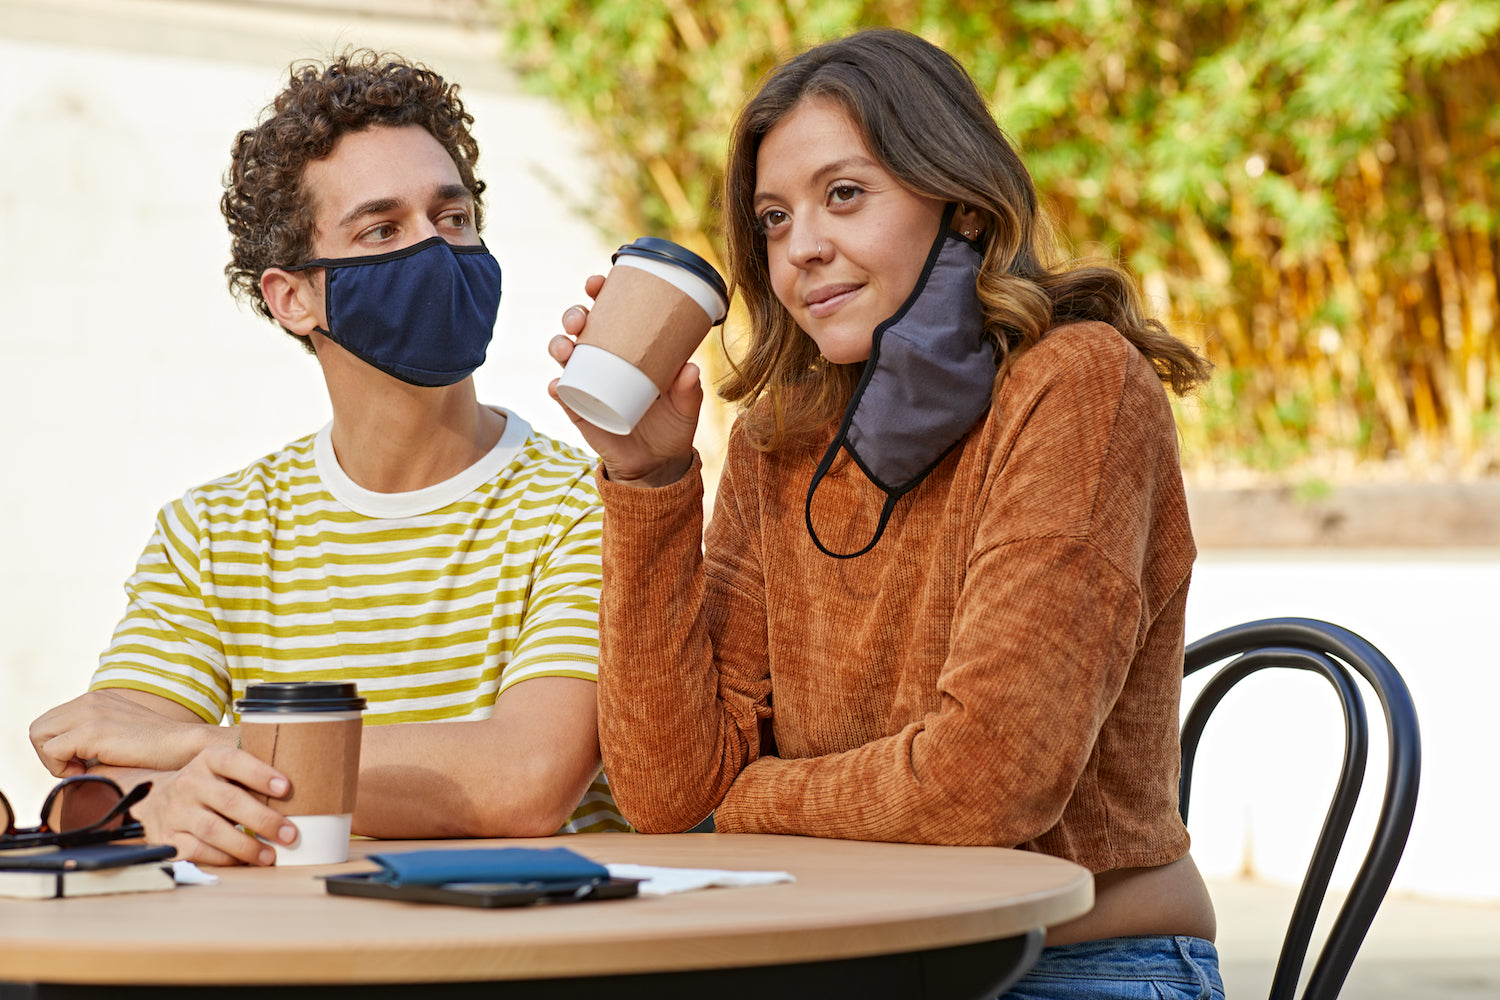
point(891, 496)
point(817, 480)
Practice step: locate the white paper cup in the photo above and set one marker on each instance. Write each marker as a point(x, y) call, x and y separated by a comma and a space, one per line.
point(311, 733)
point(321, 840)
point(605, 389)
point(658, 303)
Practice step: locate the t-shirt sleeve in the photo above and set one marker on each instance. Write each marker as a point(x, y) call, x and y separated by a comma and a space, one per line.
point(168, 643)
point(559, 634)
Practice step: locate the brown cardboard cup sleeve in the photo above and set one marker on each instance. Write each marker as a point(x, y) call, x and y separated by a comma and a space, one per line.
point(657, 304)
point(319, 756)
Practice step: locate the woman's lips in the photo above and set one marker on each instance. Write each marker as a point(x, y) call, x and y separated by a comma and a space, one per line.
point(826, 301)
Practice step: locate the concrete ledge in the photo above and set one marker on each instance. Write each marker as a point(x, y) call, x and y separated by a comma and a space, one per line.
point(1366, 515)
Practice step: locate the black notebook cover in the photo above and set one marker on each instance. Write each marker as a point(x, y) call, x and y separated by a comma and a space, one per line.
point(89, 857)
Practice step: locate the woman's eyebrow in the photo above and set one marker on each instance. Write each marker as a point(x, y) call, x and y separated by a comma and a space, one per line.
point(836, 167)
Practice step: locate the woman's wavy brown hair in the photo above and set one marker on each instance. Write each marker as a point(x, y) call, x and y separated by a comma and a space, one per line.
point(269, 212)
point(926, 123)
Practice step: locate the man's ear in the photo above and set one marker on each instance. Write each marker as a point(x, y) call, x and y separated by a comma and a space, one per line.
point(292, 299)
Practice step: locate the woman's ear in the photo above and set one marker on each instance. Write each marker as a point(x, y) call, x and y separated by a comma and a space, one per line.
point(292, 299)
point(969, 222)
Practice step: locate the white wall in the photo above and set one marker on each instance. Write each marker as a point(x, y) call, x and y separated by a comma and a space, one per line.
point(1270, 755)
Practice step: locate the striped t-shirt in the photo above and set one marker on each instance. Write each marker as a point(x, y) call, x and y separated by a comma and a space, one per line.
point(433, 602)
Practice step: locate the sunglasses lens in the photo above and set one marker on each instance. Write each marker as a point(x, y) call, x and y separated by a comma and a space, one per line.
point(80, 804)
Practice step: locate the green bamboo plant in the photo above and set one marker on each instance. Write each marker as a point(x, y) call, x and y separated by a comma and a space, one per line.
point(1305, 188)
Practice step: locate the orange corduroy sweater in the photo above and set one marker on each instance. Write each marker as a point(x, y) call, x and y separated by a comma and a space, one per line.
point(1003, 668)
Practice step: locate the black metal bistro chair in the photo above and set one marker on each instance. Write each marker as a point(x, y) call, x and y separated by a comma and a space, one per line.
point(1333, 652)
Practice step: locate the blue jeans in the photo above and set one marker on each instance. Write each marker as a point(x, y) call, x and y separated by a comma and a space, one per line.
point(1124, 968)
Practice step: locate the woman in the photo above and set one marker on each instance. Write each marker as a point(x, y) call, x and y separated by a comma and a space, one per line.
point(941, 596)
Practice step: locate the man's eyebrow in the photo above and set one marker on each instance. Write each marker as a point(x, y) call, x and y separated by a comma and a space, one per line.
point(377, 206)
point(372, 207)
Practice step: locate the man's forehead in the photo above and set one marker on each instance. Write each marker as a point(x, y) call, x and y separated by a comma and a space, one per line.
point(380, 168)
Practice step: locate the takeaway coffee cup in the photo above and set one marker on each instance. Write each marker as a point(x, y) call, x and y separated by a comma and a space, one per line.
point(658, 303)
point(309, 731)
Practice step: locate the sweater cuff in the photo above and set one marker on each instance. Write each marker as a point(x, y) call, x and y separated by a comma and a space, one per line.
point(651, 503)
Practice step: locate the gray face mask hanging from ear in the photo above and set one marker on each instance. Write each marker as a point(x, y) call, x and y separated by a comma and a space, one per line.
point(929, 379)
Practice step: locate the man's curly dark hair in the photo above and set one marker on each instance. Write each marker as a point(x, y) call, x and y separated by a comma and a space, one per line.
point(269, 212)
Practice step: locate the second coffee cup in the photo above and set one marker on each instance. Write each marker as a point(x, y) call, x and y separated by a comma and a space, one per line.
point(309, 731)
point(658, 303)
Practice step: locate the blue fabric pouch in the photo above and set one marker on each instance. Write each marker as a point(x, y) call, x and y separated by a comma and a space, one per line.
point(486, 864)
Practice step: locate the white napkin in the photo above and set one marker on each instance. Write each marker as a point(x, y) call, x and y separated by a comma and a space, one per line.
point(187, 873)
point(664, 881)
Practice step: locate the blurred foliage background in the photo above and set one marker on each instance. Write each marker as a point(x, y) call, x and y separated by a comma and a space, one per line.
point(1307, 190)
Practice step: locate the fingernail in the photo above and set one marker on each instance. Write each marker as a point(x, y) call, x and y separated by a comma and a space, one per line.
point(267, 856)
point(279, 787)
point(287, 833)
point(573, 313)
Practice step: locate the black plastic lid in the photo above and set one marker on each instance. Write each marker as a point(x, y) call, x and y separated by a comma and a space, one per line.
point(301, 696)
point(675, 253)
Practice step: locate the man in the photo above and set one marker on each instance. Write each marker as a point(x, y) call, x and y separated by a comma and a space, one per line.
point(436, 551)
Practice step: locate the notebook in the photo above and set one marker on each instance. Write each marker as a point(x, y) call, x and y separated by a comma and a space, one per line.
point(93, 870)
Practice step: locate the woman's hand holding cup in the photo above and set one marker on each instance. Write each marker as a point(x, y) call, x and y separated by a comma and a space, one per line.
point(627, 382)
point(659, 450)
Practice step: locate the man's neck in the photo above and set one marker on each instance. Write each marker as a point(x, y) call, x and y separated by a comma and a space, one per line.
point(391, 437)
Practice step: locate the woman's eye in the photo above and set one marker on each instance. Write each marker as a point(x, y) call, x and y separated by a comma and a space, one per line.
point(771, 219)
point(843, 194)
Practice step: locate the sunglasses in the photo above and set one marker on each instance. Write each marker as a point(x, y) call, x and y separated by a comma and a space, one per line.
point(84, 809)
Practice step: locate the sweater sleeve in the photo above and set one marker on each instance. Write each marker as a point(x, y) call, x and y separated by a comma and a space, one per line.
point(1050, 616)
point(681, 698)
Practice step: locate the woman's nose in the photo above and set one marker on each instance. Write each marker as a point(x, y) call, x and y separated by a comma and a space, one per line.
point(807, 247)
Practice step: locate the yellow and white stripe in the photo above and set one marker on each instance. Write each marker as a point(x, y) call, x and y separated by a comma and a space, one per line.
point(433, 602)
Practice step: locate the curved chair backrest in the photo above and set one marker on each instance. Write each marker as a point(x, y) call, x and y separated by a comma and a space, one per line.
point(1331, 651)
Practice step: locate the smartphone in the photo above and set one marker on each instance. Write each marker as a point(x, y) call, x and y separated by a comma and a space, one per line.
point(483, 894)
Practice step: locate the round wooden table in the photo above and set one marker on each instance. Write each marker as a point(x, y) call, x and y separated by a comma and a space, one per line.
point(855, 910)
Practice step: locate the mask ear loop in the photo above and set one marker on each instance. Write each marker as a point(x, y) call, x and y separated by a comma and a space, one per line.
point(817, 479)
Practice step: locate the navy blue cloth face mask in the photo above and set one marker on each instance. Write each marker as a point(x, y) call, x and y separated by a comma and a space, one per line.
point(423, 314)
point(929, 379)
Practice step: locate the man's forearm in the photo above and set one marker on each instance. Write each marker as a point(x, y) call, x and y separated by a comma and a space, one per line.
point(445, 780)
point(519, 773)
point(126, 777)
point(123, 728)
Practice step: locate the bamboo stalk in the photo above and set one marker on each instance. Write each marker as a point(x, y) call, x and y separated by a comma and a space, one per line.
point(688, 28)
point(1440, 323)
